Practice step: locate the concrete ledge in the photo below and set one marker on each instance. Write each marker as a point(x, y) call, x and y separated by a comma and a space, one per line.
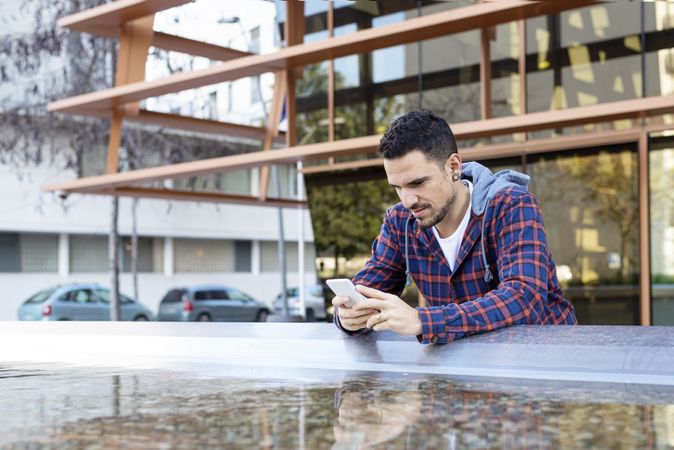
point(615, 354)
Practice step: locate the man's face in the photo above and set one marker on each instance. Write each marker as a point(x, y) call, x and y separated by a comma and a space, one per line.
point(423, 186)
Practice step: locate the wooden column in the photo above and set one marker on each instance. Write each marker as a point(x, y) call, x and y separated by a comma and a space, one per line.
point(331, 79)
point(272, 127)
point(284, 87)
point(134, 43)
point(485, 71)
point(644, 232)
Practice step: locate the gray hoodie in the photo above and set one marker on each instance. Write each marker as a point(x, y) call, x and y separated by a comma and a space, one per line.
point(485, 186)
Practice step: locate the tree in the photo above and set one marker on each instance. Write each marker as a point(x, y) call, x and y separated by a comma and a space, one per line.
point(347, 217)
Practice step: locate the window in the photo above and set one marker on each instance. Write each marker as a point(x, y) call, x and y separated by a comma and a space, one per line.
point(173, 296)
point(269, 258)
point(589, 200)
point(235, 294)
point(661, 180)
point(104, 296)
point(202, 295)
point(150, 254)
point(41, 296)
point(9, 252)
point(83, 296)
point(203, 255)
point(28, 252)
point(242, 256)
point(38, 252)
point(213, 105)
point(218, 294)
point(88, 254)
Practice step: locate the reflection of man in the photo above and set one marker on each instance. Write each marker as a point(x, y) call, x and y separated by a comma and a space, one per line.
point(473, 242)
point(370, 418)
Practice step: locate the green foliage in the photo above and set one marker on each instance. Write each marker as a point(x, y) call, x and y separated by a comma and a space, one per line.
point(347, 217)
point(661, 278)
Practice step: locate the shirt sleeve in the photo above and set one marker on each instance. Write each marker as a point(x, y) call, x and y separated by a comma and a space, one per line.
point(522, 262)
point(385, 270)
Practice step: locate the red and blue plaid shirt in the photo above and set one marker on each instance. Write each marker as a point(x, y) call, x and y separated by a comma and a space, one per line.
point(523, 289)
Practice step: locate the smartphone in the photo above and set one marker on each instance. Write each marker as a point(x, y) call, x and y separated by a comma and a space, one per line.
point(345, 288)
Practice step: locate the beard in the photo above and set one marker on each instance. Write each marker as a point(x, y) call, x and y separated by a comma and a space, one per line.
point(434, 219)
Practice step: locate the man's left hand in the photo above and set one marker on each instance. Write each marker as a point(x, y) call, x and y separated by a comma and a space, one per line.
point(394, 315)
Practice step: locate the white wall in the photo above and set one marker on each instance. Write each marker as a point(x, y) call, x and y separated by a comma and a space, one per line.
point(25, 208)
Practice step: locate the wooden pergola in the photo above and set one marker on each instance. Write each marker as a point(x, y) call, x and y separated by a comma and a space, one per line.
point(131, 21)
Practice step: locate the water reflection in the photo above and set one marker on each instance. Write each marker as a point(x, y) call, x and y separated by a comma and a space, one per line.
point(94, 408)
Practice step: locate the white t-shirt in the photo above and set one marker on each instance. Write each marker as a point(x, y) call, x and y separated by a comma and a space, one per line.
point(451, 244)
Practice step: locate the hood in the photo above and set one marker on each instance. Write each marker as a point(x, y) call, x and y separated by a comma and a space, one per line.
point(486, 184)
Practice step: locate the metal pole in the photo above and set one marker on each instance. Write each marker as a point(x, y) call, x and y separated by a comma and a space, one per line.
point(281, 243)
point(300, 241)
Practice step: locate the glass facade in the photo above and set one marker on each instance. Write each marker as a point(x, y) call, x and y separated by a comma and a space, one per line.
point(581, 57)
point(661, 168)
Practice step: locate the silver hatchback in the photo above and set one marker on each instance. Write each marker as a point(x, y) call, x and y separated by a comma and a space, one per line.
point(314, 303)
point(208, 303)
point(79, 302)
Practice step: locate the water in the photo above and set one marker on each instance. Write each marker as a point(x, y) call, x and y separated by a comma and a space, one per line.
point(67, 407)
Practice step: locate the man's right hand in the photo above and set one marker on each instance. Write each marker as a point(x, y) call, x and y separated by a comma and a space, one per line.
point(349, 318)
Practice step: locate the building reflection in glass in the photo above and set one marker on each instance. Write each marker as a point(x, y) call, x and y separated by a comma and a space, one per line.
point(154, 409)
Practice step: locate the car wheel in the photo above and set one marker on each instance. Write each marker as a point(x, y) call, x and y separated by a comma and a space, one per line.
point(140, 319)
point(310, 315)
point(204, 318)
point(262, 316)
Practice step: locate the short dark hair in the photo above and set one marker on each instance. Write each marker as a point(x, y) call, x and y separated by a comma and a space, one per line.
point(419, 130)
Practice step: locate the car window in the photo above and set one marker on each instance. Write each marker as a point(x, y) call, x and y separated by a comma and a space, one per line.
point(201, 295)
point(293, 292)
point(67, 296)
point(235, 294)
point(41, 296)
point(103, 295)
point(84, 296)
point(173, 296)
point(316, 291)
point(218, 294)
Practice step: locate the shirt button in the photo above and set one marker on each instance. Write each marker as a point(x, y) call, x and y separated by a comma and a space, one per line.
point(434, 339)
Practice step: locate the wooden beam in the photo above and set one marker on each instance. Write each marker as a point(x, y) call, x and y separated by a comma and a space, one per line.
point(174, 43)
point(201, 125)
point(105, 20)
point(512, 149)
point(420, 28)
point(367, 144)
point(199, 196)
point(339, 166)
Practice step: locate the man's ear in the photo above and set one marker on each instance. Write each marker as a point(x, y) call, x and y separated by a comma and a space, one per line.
point(453, 164)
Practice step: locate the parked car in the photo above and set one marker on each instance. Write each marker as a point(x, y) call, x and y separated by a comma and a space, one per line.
point(314, 303)
point(207, 303)
point(79, 302)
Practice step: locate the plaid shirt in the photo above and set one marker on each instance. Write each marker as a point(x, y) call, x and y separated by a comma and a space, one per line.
point(524, 288)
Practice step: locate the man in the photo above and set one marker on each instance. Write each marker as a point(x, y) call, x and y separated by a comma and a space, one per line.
point(472, 241)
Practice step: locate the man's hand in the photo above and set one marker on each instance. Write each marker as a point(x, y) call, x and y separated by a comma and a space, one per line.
point(394, 314)
point(349, 318)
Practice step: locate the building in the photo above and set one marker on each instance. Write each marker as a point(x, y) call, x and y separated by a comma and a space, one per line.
point(46, 240)
point(577, 94)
